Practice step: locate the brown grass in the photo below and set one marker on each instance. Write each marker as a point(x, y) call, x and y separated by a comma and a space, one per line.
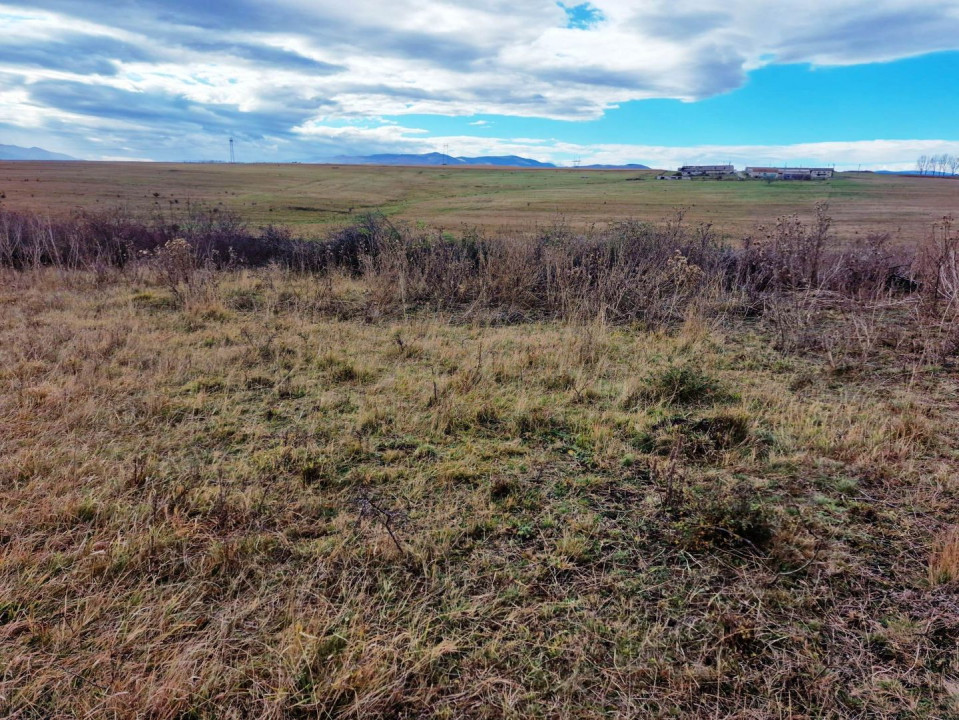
point(256, 492)
point(312, 198)
point(944, 559)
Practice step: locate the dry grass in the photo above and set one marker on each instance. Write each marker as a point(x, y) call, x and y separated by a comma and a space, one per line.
point(944, 559)
point(279, 495)
point(312, 198)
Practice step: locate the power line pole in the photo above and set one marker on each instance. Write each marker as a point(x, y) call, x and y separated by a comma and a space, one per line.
point(232, 153)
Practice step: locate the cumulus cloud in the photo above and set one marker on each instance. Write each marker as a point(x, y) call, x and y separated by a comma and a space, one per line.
point(162, 67)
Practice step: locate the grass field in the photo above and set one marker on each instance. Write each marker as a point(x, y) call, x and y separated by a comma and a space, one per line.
point(254, 505)
point(312, 198)
point(639, 475)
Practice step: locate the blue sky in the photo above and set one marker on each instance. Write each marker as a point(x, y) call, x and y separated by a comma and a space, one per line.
point(777, 104)
point(843, 82)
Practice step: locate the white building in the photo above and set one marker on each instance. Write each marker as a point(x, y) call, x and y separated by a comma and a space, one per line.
point(773, 173)
point(706, 170)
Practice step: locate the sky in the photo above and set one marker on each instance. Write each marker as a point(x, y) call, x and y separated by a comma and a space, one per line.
point(849, 83)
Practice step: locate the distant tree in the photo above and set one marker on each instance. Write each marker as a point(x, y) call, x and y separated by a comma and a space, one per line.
point(922, 162)
point(942, 161)
point(953, 164)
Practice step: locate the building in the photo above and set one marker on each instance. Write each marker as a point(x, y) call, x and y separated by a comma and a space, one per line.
point(764, 173)
point(706, 170)
point(772, 173)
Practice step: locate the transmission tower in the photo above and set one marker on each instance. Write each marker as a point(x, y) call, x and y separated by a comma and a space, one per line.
point(232, 153)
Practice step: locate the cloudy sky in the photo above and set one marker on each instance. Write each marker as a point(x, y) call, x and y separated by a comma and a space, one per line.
point(659, 82)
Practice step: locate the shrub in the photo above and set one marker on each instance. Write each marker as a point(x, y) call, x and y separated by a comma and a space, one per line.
point(700, 437)
point(243, 300)
point(627, 272)
point(683, 385)
point(737, 519)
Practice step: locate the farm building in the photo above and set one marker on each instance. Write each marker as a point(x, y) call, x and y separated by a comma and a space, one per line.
point(706, 170)
point(772, 173)
point(765, 173)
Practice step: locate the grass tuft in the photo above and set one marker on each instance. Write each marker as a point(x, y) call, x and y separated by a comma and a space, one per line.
point(944, 558)
point(683, 385)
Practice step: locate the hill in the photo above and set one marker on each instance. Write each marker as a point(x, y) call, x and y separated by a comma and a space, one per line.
point(14, 152)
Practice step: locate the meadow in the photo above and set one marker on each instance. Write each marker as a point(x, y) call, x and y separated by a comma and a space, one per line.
point(314, 198)
point(581, 471)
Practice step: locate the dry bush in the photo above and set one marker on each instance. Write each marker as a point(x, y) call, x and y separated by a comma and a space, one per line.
point(788, 256)
point(939, 263)
point(178, 268)
point(627, 272)
point(117, 239)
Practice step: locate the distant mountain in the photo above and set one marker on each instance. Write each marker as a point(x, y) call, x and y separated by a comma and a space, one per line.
point(395, 159)
point(12, 152)
point(435, 158)
point(630, 166)
point(506, 161)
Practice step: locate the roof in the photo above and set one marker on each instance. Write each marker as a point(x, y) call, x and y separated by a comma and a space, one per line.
point(788, 169)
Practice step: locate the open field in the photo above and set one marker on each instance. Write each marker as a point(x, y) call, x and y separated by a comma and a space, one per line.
point(643, 475)
point(311, 198)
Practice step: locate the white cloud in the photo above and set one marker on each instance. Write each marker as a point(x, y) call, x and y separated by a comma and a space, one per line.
point(310, 59)
point(496, 57)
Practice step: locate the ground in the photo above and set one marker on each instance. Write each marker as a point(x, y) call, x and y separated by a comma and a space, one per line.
point(312, 198)
point(263, 500)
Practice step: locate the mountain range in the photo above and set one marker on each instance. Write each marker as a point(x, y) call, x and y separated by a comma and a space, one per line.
point(435, 158)
point(630, 166)
point(14, 152)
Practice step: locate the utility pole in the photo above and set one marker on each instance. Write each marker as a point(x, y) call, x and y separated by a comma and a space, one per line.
point(232, 153)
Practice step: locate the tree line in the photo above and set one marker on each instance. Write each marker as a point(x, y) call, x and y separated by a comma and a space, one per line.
point(937, 164)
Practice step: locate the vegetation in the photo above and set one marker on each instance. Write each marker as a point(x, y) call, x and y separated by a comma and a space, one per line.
point(310, 199)
point(396, 473)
